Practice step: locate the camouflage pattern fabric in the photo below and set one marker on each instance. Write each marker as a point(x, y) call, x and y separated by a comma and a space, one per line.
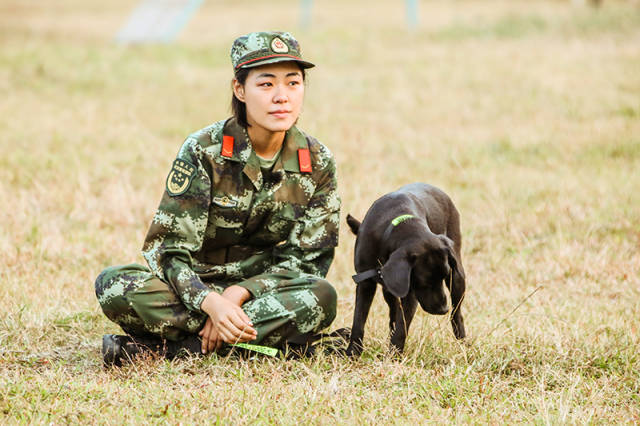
point(224, 221)
point(143, 305)
point(266, 47)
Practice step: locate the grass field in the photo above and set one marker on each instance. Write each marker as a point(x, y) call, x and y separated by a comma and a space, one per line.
point(526, 113)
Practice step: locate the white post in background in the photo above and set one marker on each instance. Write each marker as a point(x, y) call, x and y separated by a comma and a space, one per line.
point(306, 7)
point(412, 14)
point(157, 21)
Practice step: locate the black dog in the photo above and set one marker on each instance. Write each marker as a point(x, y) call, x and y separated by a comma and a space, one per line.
point(409, 241)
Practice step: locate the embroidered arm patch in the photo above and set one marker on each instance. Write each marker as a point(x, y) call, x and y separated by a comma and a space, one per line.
point(180, 177)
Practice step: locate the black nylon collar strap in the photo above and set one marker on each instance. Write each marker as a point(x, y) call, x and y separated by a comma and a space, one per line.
point(370, 273)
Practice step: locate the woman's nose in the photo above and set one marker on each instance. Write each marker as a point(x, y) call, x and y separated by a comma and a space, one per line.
point(279, 96)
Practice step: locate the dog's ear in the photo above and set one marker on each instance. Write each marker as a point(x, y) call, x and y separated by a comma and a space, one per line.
point(353, 223)
point(396, 272)
point(451, 257)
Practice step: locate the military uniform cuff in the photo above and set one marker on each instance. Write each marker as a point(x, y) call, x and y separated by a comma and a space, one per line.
point(252, 286)
point(198, 299)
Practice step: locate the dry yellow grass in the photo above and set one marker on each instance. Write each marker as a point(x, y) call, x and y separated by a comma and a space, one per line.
point(526, 113)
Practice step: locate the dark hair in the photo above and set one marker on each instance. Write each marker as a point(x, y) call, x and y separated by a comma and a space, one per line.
point(238, 108)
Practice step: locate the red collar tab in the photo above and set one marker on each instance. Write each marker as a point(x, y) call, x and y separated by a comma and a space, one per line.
point(304, 160)
point(227, 146)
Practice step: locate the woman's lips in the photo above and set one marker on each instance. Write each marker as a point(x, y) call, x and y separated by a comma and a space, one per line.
point(280, 113)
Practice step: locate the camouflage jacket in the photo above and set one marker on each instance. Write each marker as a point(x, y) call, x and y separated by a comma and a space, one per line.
point(221, 218)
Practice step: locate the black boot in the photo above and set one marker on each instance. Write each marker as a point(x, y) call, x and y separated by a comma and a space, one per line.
point(117, 349)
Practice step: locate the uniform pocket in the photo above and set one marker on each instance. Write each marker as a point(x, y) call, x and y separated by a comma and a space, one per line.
point(225, 220)
point(225, 226)
point(281, 222)
point(227, 211)
point(229, 208)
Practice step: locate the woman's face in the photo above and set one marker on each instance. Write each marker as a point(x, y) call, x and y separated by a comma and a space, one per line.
point(273, 95)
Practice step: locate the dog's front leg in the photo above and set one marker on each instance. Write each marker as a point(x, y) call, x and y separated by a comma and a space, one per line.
point(457, 295)
point(364, 296)
point(401, 313)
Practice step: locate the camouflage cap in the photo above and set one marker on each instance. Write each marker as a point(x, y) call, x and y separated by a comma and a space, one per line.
point(266, 47)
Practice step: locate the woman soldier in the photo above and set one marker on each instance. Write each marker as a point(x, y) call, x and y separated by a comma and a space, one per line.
point(246, 228)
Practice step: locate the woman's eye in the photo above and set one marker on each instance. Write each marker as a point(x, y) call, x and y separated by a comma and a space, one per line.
point(265, 84)
point(293, 83)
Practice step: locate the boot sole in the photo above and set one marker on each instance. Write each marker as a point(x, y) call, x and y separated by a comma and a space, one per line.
point(111, 351)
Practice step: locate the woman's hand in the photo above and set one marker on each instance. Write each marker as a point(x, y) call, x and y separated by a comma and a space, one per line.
point(236, 294)
point(211, 341)
point(228, 320)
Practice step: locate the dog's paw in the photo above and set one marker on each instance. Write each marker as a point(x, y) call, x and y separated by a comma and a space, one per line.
point(353, 350)
point(395, 353)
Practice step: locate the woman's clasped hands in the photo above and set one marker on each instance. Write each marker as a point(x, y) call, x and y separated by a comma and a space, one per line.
point(227, 322)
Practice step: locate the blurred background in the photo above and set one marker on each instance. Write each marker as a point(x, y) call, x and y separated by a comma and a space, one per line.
point(525, 112)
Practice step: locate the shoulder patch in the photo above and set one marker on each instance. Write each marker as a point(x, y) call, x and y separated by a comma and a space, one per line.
point(304, 160)
point(180, 177)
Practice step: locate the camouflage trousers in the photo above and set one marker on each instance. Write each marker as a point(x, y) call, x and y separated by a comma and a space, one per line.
point(298, 305)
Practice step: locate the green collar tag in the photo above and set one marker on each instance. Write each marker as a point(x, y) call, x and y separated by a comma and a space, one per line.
point(398, 220)
point(266, 350)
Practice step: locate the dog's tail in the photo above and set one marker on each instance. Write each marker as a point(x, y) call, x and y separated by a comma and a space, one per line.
point(353, 223)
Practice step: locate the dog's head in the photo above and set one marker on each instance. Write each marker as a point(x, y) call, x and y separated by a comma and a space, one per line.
point(425, 267)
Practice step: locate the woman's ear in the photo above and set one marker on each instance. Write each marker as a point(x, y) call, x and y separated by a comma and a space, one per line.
point(238, 90)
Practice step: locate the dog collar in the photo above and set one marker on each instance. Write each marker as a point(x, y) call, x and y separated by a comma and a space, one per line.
point(376, 273)
point(368, 274)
